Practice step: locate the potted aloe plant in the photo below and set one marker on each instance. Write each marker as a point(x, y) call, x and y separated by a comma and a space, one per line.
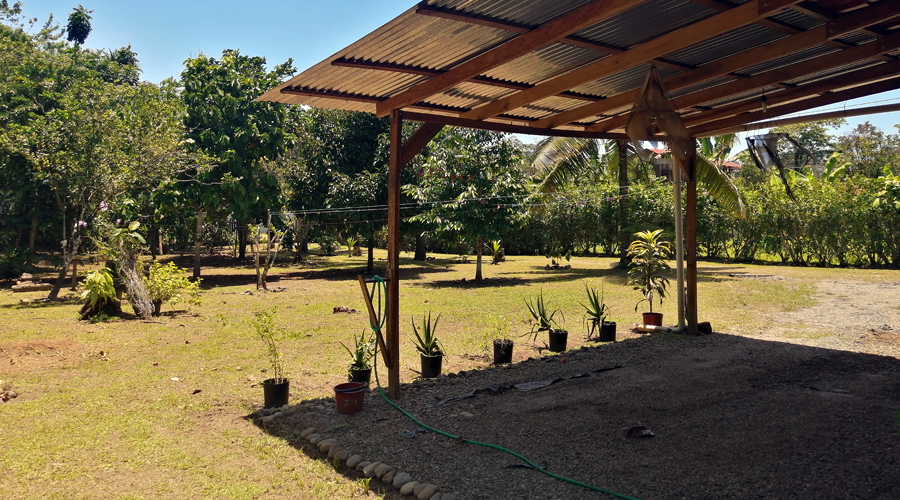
point(542, 320)
point(431, 350)
point(649, 261)
point(364, 350)
point(276, 390)
point(595, 313)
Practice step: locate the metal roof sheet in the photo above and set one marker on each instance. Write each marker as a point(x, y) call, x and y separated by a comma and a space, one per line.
point(416, 47)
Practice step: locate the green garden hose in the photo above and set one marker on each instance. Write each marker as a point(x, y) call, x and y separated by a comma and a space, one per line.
point(379, 281)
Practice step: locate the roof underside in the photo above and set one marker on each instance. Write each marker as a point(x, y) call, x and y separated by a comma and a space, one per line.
point(577, 65)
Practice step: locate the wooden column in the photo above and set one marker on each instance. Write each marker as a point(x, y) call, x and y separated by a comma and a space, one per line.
point(393, 285)
point(691, 244)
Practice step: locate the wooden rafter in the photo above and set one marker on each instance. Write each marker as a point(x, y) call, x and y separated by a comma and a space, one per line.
point(796, 107)
point(491, 22)
point(507, 127)
point(483, 80)
point(726, 66)
point(860, 76)
point(561, 27)
point(684, 37)
point(790, 72)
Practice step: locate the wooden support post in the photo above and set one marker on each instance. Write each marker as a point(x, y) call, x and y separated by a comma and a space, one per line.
point(393, 286)
point(691, 244)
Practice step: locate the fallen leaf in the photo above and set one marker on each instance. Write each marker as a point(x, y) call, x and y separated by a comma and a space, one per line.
point(196, 391)
point(155, 364)
point(187, 341)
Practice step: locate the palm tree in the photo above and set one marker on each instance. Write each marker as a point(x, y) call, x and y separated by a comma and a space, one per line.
point(560, 160)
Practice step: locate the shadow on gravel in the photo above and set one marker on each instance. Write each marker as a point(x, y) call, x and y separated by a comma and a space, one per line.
point(732, 417)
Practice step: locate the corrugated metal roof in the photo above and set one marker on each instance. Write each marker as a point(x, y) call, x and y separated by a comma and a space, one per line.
point(393, 58)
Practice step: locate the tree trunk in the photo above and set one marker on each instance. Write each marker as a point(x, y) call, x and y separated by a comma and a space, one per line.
point(242, 239)
point(198, 242)
point(421, 243)
point(32, 235)
point(479, 251)
point(69, 251)
point(370, 262)
point(154, 241)
point(624, 237)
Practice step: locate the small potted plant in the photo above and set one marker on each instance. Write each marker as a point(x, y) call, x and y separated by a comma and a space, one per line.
point(649, 262)
point(168, 283)
point(595, 313)
point(503, 351)
point(364, 349)
point(542, 319)
point(431, 350)
point(276, 390)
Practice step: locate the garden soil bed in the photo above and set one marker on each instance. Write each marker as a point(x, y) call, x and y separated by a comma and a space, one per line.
point(810, 412)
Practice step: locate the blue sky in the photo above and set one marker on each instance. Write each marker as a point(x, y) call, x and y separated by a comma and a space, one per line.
point(165, 32)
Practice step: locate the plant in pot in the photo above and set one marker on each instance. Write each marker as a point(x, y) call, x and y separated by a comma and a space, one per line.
point(169, 283)
point(431, 350)
point(649, 261)
point(595, 313)
point(542, 320)
point(276, 390)
point(364, 350)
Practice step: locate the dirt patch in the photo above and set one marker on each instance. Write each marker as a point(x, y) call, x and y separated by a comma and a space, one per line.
point(30, 355)
point(809, 411)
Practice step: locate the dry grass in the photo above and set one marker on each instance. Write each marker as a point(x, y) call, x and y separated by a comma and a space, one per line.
point(99, 415)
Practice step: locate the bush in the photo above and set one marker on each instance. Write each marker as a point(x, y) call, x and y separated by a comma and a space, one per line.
point(169, 283)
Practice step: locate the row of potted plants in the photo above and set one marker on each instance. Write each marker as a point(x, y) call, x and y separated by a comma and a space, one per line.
point(649, 256)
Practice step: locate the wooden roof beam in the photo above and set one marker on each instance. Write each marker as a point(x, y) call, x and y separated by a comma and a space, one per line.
point(796, 107)
point(550, 32)
point(483, 80)
point(790, 72)
point(871, 74)
point(490, 22)
point(684, 37)
point(728, 65)
point(506, 127)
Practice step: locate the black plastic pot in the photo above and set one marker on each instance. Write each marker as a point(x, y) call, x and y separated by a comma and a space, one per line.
point(361, 375)
point(431, 365)
point(608, 331)
point(558, 340)
point(503, 349)
point(157, 307)
point(275, 395)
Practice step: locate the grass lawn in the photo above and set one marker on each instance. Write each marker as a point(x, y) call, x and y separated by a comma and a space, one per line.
point(133, 409)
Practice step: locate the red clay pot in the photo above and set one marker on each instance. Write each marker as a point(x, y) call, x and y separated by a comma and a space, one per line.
point(654, 319)
point(349, 396)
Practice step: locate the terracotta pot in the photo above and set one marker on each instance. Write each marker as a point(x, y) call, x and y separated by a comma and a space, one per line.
point(558, 340)
point(275, 395)
point(608, 331)
point(503, 349)
point(431, 365)
point(654, 319)
point(349, 396)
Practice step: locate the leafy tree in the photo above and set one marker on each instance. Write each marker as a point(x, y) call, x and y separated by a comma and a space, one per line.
point(79, 26)
point(224, 122)
point(469, 187)
point(868, 150)
point(103, 142)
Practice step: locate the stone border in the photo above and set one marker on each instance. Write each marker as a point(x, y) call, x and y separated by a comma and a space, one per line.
point(385, 473)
